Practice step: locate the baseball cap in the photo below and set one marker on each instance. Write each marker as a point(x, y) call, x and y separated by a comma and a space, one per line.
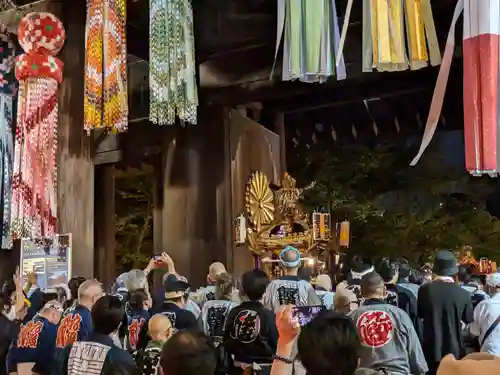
point(493, 280)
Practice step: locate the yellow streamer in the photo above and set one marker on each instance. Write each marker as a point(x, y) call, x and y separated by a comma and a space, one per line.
point(384, 44)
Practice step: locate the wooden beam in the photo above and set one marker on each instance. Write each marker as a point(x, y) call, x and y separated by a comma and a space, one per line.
point(224, 193)
point(376, 86)
point(76, 171)
point(142, 140)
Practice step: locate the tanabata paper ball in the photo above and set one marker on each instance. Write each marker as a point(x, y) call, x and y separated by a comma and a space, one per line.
point(31, 65)
point(41, 33)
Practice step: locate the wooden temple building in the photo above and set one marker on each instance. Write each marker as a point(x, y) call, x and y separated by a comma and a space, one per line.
point(247, 122)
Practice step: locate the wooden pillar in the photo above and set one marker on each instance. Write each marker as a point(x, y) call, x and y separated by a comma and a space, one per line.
point(280, 130)
point(104, 224)
point(225, 218)
point(76, 171)
point(194, 222)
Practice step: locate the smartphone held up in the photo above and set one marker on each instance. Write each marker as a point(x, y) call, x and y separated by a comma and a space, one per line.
point(304, 314)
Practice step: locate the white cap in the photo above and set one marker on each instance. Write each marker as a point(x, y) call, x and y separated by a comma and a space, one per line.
point(493, 280)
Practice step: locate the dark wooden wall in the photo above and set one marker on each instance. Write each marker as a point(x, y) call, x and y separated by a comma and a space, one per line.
point(191, 220)
point(253, 147)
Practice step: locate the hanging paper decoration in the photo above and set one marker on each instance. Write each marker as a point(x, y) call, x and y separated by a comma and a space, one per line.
point(172, 72)
point(481, 98)
point(344, 233)
point(311, 36)
point(105, 101)
point(384, 45)
point(8, 88)
point(480, 52)
point(321, 226)
point(34, 195)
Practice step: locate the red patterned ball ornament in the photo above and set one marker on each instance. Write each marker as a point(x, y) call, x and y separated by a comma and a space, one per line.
point(37, 65)
point(41, 32)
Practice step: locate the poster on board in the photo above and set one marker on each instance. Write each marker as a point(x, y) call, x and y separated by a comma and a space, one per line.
point(49, 258)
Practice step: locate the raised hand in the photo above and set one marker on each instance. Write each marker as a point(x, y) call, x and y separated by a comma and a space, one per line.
point(165, 258)
point(32, 277)
point(17, 278)
point(288, 326)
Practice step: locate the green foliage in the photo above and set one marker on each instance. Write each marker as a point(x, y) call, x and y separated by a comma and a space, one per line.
point(134, 222)
point(396, 210)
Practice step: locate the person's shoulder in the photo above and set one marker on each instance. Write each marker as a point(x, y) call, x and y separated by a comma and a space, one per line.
point(306, 284)
point(120, 362)
point(186, 315)
point(460, 291)
point(63, 353)
point(120, 354)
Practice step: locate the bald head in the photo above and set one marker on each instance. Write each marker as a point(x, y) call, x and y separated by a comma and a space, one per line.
point(160, 327)
point(290, 256)
point(373, 286)
point(290, 261)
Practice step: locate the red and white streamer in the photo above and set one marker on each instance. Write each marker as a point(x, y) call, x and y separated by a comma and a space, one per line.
point(480, 51)
point(34, 196)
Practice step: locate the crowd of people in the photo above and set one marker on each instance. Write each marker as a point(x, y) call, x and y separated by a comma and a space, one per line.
point(384, 318)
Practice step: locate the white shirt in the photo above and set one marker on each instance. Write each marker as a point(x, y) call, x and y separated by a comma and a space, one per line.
point(485, 313)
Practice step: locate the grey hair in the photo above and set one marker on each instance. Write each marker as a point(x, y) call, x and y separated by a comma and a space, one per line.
point(136, 279)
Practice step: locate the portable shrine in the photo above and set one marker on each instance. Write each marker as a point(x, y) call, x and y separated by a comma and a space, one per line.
point(274, 219)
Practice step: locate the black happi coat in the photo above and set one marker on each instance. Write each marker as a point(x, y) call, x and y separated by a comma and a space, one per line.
point(250, 334)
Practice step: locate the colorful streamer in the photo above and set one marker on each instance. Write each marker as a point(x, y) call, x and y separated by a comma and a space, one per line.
point(310, 34)
point(384, 45)
point(8, 88)
point(481, 96)
point(106, 101)
point(481, 46)
point(34, 193)
point(172, 70)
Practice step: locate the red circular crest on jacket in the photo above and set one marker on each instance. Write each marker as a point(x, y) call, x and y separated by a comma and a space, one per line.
point(375, 328)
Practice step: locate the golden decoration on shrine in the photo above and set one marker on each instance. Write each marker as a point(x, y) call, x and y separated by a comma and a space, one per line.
point(259, 200)
point(484, 266)
point(276, 219)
